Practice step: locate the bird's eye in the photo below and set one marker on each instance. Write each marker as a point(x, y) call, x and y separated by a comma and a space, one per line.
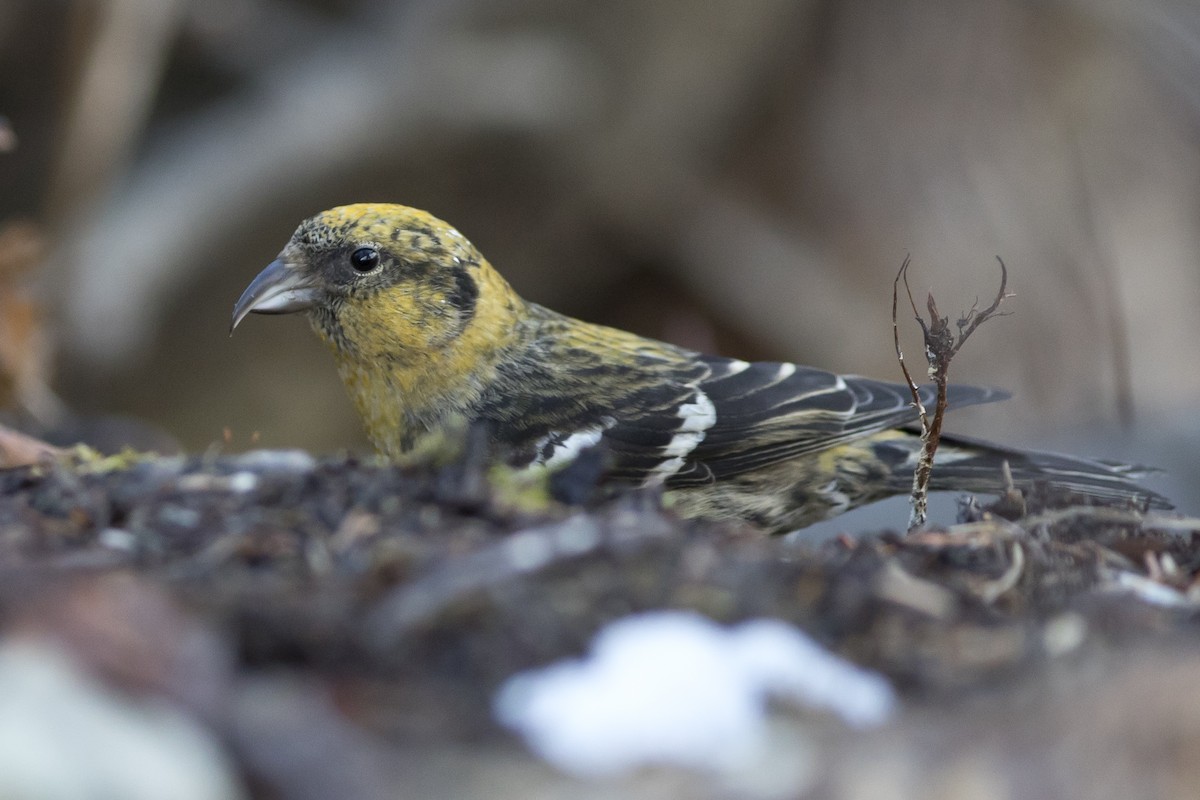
point(364, 259)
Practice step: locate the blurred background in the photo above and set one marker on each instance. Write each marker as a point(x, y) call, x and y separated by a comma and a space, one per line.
point(740, 177)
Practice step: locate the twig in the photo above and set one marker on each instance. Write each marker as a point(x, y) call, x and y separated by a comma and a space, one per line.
point(941, 346)
point(919, 498)
point(20, 450)
point(912, 386)
point(991, 591)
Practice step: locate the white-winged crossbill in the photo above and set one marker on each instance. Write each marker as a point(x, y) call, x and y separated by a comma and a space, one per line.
point(427, 334)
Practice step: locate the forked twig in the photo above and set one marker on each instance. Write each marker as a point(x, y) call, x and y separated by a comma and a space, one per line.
point(941, 346)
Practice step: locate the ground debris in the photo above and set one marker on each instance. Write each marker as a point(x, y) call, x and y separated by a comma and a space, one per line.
point(383, 606)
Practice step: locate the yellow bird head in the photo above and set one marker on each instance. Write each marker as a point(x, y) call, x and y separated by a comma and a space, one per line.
point(414, 314)
point(375, 277)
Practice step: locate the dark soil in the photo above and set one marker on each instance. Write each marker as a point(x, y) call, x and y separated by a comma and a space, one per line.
point(340, 627)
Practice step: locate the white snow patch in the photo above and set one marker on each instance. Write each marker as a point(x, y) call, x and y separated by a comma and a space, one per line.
point(676, 688)
point(243, 481)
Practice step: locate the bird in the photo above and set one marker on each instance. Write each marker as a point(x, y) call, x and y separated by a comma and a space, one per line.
point(426, 335)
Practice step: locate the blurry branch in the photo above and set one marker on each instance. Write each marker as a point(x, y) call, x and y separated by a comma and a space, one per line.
point(1116, 324)
point(25, 346)
point(247, 36)
point(651, 178)
point(20, 450)
point(8, 137)
point(320, 115)
point(941, 346)
point(743, 263)
point(1164, 36)
point(122, 47)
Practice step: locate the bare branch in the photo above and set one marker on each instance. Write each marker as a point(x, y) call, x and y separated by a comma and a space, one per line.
point(941, 346)
point(912, 386)
point(968, 322)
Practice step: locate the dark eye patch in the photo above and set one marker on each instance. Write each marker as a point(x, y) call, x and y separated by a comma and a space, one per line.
point(464, 294)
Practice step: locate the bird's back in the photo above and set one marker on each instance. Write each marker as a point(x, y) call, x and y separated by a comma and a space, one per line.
point(670, 415)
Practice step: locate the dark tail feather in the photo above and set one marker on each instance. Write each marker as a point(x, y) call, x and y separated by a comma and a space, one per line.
point(968, 465)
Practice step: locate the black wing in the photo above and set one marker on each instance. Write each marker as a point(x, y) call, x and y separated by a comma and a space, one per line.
point(741, 416)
